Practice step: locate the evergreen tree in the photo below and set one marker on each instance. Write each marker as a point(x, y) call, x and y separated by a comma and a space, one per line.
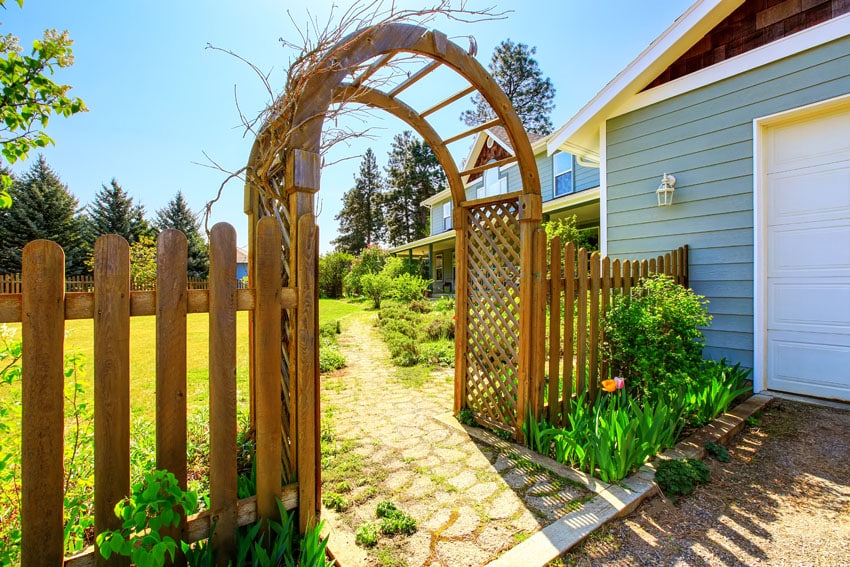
point(113, 212)
point(361, 219)
point(413, 174)
point(517, 73)
point(44, 208)
point(177, 214)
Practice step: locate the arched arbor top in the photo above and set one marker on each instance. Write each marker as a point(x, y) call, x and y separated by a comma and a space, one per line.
point(291, 137)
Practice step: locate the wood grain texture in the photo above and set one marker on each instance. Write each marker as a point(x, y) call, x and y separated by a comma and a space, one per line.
point(111, 382)
point(581, 323)
point(222, 365)
point(308, 373)
point(43, 273)
point(593, 374)
point(555, 344)
point(569, 324)
point(538, 364)
point(267, 339)
point(461, 308)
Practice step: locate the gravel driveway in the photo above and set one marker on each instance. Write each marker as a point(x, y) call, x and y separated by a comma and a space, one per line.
point(784, 499)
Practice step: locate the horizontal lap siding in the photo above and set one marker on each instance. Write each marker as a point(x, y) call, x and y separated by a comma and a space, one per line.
point(704, 138)
point(586, 177)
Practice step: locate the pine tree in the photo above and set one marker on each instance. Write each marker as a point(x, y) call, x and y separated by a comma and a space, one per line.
point(177, 214)
point(44, 208)
point(413, 174)
point(517, 73)
point(113, 212)
point(361, 219)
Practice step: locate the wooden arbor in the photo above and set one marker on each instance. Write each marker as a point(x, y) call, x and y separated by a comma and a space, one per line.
point(499, 330)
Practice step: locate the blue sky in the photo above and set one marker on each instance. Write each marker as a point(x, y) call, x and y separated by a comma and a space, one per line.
point(158, 99)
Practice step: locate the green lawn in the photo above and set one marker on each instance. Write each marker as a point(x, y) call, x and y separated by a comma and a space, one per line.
point(79, 339)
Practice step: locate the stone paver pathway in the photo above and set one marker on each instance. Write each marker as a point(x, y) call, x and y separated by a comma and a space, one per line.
point(471, 501)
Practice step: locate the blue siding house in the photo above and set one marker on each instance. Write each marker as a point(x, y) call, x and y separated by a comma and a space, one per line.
point(747, 105)
point(569, 186)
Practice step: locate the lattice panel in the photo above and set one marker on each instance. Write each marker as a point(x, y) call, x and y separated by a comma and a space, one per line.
point(493, 253)
point(287, 346)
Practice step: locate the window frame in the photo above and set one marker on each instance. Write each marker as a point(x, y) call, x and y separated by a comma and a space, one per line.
point(556, 173)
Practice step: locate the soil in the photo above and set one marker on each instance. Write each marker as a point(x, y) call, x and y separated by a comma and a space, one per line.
point(784, 499)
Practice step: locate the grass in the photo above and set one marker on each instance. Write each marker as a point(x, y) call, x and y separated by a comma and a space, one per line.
point(80, 338)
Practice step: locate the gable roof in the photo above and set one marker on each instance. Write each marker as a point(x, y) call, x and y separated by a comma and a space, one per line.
point(580, 135)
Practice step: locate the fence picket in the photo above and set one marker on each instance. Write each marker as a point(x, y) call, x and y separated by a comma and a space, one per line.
point(594, 325)
point(581, 324)
point(42, 331)
point(222, 323)
point(569, 321)
point(111, 383)
point(268, 374)
point(605, 299)
point(554, 328)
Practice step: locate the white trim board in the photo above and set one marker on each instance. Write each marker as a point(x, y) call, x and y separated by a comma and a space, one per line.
point(809, 38)
point(760, 126)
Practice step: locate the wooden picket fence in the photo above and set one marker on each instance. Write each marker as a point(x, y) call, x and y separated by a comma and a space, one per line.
point(13, 283)
point(585, 284)
point(43, 306)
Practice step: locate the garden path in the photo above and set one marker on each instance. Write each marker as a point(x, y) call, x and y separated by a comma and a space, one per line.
point(382, 441)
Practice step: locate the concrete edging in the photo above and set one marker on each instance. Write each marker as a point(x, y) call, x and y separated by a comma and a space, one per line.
point(611, 500)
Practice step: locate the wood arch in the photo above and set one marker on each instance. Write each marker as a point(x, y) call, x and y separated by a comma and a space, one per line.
point(498, 286)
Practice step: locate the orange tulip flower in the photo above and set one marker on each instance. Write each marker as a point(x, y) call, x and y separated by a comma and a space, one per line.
point(609, 385)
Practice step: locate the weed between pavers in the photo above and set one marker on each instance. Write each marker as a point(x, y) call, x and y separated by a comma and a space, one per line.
point(679, 478)
point(393, 522)
point(719, 452)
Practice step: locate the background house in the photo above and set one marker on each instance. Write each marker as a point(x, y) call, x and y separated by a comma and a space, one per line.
point(747, 103)
point(569, 186)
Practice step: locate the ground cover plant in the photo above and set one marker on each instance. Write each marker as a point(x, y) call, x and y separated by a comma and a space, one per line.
point(654, 344)
point(417, 333)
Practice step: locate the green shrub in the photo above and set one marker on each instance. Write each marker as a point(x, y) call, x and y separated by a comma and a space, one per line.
point(366, 534)
point(445, 304)
point(438, 352)
point(653, 338)
point(330, 359)
point(376, 287)
point(420, 306)
point(333, 267)
point(440, 326)
point(680, 478)
point(719, 452)
point(401, 326)
point(330, 329)
point(407, 287)
point(370, 261)
point(395, 313)
point(465, 416)
point(402, 348)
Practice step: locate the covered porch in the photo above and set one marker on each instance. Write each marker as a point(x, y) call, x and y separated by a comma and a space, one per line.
point(436, 255)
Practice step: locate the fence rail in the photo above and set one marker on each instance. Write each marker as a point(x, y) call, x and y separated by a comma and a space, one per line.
point(585, 284)
point(13, 283)
point(42, 306)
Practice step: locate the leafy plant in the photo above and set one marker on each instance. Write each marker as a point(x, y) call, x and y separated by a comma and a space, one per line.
point(153, 505)
point(713, 395)
point(465, 416)
point(330, 359)
point(407, 287)
point(335, 501)
point(652, 337)
point(719, 452)
point(366, 534)
point(376, 287)
point(393, 520)
point(680, 478)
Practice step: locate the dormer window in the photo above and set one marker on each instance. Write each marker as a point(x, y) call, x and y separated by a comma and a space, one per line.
point(563, 166)
point(447, 216)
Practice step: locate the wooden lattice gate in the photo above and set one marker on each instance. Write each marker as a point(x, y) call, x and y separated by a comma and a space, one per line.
point(492, 296)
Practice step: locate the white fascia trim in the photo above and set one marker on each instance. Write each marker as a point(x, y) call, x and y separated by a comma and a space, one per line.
point(434, 199)
point(603, 190)
point(449, 234)
point(760, 125)
point(780, 49)
point(633, 77)
point(581, 197)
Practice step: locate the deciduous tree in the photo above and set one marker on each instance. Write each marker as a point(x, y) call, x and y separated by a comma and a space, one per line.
point(29, 97)
point(518, 74)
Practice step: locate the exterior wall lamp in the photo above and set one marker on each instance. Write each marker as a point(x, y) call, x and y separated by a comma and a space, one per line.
point(665, 190)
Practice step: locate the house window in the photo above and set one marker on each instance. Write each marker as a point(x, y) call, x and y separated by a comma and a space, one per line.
point(447, 216)
point(563, 165)
point(493, 184)
point(438, 268)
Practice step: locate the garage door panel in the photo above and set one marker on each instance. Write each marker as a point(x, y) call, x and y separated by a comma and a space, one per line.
point(809, 250)
point(812, 369)
point(809, 307)
point(817, 140)
point(796, 198)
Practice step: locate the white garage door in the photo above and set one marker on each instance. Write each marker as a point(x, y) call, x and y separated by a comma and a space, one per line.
point(808, 255)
